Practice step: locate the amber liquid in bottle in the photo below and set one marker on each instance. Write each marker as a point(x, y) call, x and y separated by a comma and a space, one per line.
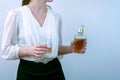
point(78, 45)
point(79, 41)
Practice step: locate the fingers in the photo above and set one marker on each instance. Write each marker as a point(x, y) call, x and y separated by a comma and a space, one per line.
point(72, 44)
point(38, 55)
point(83, 51)
point(40, 50)
point(41, 46)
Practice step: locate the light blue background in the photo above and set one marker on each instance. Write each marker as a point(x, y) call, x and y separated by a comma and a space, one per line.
point(102, 28)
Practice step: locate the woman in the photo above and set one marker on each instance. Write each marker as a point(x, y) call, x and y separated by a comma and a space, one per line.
point(28, 33)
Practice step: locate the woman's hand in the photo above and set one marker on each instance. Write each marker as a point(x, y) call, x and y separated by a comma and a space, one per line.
point(37, 50)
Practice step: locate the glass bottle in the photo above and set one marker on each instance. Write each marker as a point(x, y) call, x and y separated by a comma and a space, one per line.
point(79, 41)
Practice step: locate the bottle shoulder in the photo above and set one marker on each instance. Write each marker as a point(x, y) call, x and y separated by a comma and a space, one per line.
point(79, 36)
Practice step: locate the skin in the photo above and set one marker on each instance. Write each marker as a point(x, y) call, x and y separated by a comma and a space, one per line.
point(39, 10)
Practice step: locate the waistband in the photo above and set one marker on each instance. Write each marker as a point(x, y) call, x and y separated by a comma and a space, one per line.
point(33, 62)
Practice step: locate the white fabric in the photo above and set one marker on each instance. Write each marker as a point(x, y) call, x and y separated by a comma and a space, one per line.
point(22, 29)
point(9, 48)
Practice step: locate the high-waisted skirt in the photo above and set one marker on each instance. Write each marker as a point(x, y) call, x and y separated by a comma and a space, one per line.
point(29, 70)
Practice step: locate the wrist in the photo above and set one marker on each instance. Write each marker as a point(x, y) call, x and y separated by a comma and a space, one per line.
point(24, 51)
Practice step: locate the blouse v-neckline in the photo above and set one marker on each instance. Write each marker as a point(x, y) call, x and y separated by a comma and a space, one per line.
point(41, 26)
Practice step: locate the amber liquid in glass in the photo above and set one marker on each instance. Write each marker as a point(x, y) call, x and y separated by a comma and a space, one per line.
point(50, 49)
point(78, 45)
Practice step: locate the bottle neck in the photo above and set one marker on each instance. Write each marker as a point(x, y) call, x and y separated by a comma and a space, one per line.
point(80, 33)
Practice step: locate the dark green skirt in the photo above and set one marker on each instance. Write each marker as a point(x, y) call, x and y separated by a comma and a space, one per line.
point(29, 70)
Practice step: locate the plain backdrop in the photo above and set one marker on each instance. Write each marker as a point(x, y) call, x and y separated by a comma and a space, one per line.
point(101, 19)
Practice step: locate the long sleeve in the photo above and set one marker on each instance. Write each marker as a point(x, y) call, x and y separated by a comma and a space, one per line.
point(9, 47)
point(60, 29)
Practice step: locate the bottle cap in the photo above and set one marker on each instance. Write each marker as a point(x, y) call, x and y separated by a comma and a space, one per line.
point(80, 30)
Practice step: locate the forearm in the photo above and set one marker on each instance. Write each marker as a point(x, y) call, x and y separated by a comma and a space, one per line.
point(25, 51)
point(36, 50)
point(64, 50)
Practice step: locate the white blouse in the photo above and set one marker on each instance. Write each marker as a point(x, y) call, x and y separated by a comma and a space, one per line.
point(22, 29)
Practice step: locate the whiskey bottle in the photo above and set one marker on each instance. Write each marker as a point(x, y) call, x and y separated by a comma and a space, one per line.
point(79, 41)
